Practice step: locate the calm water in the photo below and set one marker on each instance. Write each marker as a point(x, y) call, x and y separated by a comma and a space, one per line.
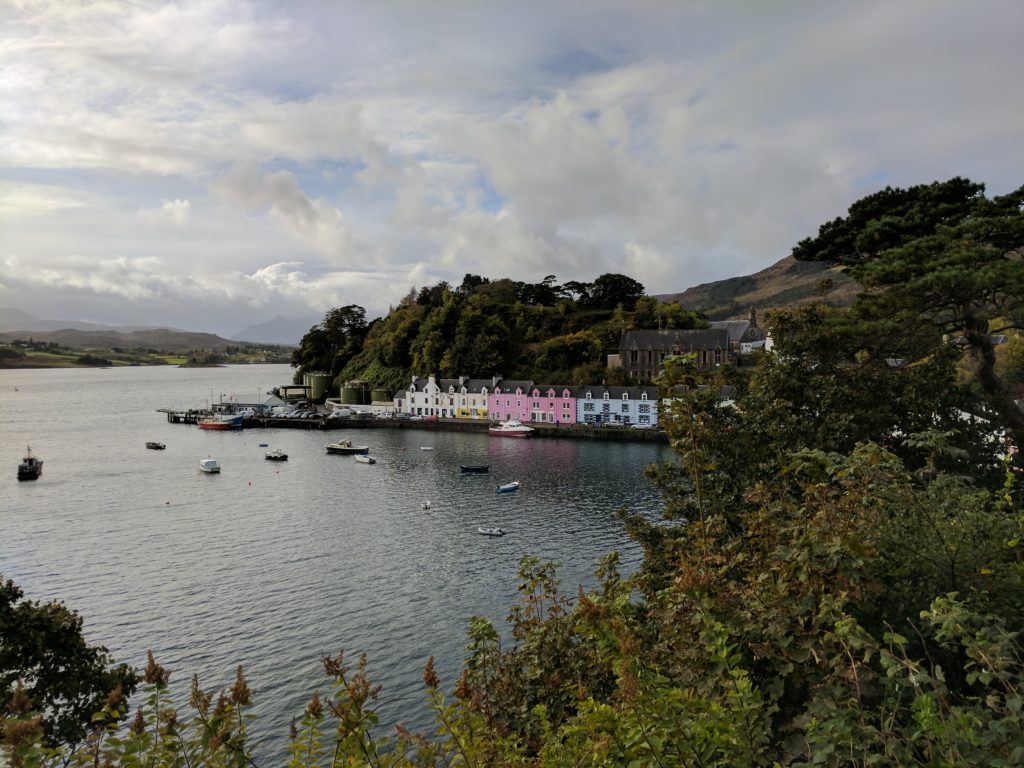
point(272, 565)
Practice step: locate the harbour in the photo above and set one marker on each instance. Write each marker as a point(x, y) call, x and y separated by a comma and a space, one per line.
point(273, 564)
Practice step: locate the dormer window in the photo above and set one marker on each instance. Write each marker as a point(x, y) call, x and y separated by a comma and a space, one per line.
point(625, 396)
point(588, 395)
point(606, 395)
point(643, 396)
point(565, 393)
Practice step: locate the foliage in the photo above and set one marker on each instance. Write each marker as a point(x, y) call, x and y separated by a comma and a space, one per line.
point(538, 331)
point(947, 263)
point(45, 661)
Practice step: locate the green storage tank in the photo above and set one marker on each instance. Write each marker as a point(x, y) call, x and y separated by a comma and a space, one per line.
point(351, 396)
point(364, 394)
point(318, 384)
point(380, 396)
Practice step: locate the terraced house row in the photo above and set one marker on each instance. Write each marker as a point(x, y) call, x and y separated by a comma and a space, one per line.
point(499, 399)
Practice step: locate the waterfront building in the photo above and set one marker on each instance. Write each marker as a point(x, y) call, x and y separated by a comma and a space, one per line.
point(510, 400)
point(552, 404)
point(618, 406)
point(468, 396)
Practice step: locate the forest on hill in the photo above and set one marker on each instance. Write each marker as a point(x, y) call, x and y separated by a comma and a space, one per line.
point(837, 578)
point(543, 332)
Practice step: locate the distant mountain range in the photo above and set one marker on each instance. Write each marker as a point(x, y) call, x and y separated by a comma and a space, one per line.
point(279, 330)
point(12, 319)
point(784, 283)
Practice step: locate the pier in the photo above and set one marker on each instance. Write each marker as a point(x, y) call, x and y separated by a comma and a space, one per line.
point(540, 430)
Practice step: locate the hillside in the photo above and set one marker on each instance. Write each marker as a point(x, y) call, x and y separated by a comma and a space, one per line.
point(784, 283)
point(160, 339)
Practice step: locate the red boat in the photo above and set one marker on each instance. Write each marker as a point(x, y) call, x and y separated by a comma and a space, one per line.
point(221, 421)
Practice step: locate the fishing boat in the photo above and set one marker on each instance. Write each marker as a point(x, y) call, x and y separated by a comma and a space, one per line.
point(222, 421)
point(508, 487)
point(31, 467)
point(362, 458)
point(345, 448)
point(275, 454)
point(154, 446)
point(510, 428)
point(209, 466)
point(490, 531)
point(474, 468)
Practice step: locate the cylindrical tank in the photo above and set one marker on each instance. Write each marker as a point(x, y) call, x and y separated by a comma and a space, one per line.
point(318, 384)
point(364, 395)
point(351, 395)
point(380, 396)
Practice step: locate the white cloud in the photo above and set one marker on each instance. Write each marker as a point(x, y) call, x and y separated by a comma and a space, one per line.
point(174, 211)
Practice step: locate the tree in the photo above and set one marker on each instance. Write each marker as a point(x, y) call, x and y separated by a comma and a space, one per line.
point(945, 261)
point(43, 653)
point(330, 345)
point(611, 290)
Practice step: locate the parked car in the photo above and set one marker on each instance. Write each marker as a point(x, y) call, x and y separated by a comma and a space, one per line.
point(430, 418)
point(641, 426)
point(401, 415)
point(415, 418)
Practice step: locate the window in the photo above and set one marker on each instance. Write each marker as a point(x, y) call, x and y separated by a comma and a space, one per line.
point(605, 395)
point(644, 408)
point(588, 394)
point(643, 396)
point(606, 407)
point(625, 407)
point(588, 406)
point(625, 395)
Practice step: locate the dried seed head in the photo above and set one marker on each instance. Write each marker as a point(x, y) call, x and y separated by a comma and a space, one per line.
point(139, 723)
point(240, 692)
point(429, 675)
point(315, 709)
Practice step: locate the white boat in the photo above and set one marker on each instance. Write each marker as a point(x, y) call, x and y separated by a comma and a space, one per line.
point(490, 531)
point(508, 487)
point(362, 458)
point(276, 454)
point(426, 447)
point(210, 466)
point(510, 428)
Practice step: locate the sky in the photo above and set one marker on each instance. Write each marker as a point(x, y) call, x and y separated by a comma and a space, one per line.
point(209, 164)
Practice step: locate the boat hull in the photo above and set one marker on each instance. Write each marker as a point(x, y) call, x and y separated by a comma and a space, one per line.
point(221, 422)
point(474, 468)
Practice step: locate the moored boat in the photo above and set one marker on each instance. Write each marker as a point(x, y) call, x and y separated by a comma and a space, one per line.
point(508, 487)
point(490, 531)
point(345, 448)
point(31, 467)
point(222, 421)
point(276, 454)
point(362, 458)
point(209, 466)
point(154, 446)
point(474, 468)
point(510, 428)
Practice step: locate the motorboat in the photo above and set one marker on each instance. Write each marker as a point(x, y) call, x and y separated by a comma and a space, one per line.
point(362, 458)
point(209, 466)
point(510, 428)
point(508, 487)
point(31, 467)
point(491, 531)
point(426, 447)
point(154, 446)
point(474, 468)
point(345, 448)
point(275, 454)
point(222, 421)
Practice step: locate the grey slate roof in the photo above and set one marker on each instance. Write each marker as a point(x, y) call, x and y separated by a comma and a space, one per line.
point(687, 341)
point(510, 385)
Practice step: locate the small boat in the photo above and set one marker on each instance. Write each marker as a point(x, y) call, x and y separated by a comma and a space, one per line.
point(263, 445)
point(510, 428)
point(490, 531)
point(508, 487)
point(221, 421)
point(209, 466)
point(31, 467)
point(475, 468)
point(275, 454)
point(425, 505)
point(426, 447)
point(345, 448)
point(362, 458)
point(154, 446)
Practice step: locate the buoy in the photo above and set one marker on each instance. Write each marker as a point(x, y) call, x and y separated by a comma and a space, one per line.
point(250, 482)
point(426, 505)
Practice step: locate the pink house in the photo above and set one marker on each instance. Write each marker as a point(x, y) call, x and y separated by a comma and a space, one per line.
point(528, 402)
point(509, 400)
point(552, 404)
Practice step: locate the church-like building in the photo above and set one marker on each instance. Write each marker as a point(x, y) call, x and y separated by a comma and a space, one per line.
point(641, 353)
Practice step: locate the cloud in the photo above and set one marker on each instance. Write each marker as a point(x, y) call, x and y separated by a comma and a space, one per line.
point(174, 211)
point(32, 200)
point(313, 222)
